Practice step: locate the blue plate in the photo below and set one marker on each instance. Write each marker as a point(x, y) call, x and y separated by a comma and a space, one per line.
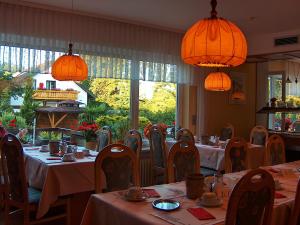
point(165, 204)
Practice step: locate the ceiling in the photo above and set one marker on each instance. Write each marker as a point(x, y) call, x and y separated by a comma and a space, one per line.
point(252, 16)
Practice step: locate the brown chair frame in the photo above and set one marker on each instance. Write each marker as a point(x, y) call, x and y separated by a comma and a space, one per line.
point(273, 139)
point(25, 206)
point(183, 147)
point(120, 151)
point(138, 136)
point(259, 128)
point(183, 131)
point(107, 130)
point(235, 142)
point(156, 128)
point(248, 184)
point(295, 214)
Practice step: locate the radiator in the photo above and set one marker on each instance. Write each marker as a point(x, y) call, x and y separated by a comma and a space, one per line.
point(145, 172)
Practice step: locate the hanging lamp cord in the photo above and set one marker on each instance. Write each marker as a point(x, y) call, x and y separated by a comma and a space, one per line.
point(213, 12)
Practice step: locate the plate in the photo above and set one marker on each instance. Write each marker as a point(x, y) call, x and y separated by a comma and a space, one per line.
point(165, 204)
point(217, 203)
point(131, 199)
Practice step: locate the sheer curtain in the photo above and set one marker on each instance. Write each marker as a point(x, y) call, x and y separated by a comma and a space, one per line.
point(32, 38)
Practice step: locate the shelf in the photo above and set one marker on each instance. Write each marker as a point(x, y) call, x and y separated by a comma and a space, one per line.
point(279, 109)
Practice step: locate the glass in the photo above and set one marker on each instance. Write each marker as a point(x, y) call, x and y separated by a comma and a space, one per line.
point(218, 186)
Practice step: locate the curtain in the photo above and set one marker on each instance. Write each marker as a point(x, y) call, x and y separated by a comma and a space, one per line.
point(32, 38)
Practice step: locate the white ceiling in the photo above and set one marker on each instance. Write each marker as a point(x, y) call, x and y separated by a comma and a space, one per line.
point(252, 16)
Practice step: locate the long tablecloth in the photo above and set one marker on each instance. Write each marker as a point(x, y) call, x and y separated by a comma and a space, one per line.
point(56, 178)
point(112, 209)
point(213, 157)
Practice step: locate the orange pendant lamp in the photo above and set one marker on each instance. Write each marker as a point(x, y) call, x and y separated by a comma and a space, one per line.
point(217, 81)
point(214, 42)
point(69, 67)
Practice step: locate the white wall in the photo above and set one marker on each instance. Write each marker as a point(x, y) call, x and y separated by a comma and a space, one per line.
point(63, 85)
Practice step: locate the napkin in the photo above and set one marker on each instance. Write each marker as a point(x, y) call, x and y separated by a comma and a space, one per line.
point(152, 193)
point(279, 195)
point(54, 158)
point(200, 213)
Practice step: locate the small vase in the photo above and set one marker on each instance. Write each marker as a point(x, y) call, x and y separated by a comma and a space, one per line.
point(91, 145)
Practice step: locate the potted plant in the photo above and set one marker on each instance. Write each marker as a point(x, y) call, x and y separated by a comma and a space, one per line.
point(54, 139)
point(89, 132)
point(44, 137)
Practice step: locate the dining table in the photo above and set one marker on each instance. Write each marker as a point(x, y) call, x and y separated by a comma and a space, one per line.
point(213, 156)
point(113, 209)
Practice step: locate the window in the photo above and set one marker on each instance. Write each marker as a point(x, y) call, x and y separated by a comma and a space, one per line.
point(50, 85)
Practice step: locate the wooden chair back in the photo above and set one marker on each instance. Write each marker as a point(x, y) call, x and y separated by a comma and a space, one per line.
point(183, 159)
point(104, 138)
point(227, 132)
point(133, 139)
point(117, 164)
point(185, 135)
point(13, 168)
point(252, 199)
point(295, 215)
point(158, 154)
point(259, 135)
point(236, 157)
point(275, 151)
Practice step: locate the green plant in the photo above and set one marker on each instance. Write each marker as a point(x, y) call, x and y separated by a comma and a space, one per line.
point(29, 106)
point(51, 136)
point(10, 120)
point(92, 111)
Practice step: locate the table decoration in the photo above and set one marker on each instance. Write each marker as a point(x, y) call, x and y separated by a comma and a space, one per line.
point(89, 132)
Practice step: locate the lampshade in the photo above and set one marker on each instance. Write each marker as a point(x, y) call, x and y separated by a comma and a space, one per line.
point(217, 81)
point(69, 67)
point(238, 95)
point(214, 42)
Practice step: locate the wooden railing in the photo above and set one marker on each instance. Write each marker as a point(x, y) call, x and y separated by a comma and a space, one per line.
point(55, 95)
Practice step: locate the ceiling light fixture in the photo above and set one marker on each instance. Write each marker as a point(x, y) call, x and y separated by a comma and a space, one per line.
point(69, 66)
point(288, 81)
point(217, 81)
point(214, 42)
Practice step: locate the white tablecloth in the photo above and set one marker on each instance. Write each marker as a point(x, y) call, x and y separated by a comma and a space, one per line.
point(56, 178)
point(213, 157)
point(112, 209)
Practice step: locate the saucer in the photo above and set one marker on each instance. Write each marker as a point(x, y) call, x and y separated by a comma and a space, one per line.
point(215, 203)
point(134, 199)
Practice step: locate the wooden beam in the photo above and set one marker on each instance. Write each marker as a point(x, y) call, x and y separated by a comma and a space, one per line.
point(61, 119)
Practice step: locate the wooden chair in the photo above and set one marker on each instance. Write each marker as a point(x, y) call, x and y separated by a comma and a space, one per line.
point(185, 135)
point(295, 215)
point(18, 195)
point(259, 135)
point(104, 138)
point(227, 132)
point(183, 159)
point(275, 151)
point(251, 201)
point(133, 139)
point(158, 154)
point(119, 165)
point(236, 158)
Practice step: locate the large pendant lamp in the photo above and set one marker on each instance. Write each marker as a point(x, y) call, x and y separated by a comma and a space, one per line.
point(214, 42)
point(69, 66)
point(217, 81)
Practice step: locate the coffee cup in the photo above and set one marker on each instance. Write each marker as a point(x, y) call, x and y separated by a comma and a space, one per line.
point(194, 185)
point(44, 148)
point(68, 157)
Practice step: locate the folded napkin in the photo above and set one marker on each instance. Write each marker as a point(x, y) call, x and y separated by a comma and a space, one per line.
point(273, 170)
point(152, 193)
point(279, 195)
point(200, 213)
point(54, 158)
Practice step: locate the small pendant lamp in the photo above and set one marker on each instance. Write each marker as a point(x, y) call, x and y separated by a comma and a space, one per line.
point(217, 81)
point(214, 42)
point(70, 67)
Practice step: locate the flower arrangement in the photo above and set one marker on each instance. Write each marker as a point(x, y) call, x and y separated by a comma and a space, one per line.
point(287, 123)
point(163, 127)
point(89, 130)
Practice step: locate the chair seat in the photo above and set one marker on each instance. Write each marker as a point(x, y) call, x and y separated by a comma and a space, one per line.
point(34, 195)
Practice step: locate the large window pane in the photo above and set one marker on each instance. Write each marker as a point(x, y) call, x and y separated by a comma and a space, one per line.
point(275, 91)
point(157, 104)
